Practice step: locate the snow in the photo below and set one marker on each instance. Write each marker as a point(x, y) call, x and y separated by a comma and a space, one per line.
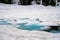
point(9, 32)
point(48, 15)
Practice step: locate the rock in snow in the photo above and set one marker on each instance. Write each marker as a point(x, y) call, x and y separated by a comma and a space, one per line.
point(8, 32)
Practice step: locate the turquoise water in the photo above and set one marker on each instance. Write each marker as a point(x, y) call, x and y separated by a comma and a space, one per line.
point(4, 23)
point(30, 27)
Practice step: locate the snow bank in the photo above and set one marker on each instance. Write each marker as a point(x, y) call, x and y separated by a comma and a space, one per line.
point(8, 32)
point(46, 14)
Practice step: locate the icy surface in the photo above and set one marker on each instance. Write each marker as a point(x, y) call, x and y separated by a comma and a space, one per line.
point(24, 23)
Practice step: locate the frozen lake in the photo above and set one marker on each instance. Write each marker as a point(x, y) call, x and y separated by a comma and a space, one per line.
point(19, 22)
point(32, 17)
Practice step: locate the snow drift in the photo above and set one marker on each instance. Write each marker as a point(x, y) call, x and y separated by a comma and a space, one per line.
point(8, 32)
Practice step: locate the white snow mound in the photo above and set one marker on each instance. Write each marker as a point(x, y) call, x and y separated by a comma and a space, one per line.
point(8, 32)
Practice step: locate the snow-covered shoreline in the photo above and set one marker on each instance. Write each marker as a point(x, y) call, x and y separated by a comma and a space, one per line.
point(8, 32)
